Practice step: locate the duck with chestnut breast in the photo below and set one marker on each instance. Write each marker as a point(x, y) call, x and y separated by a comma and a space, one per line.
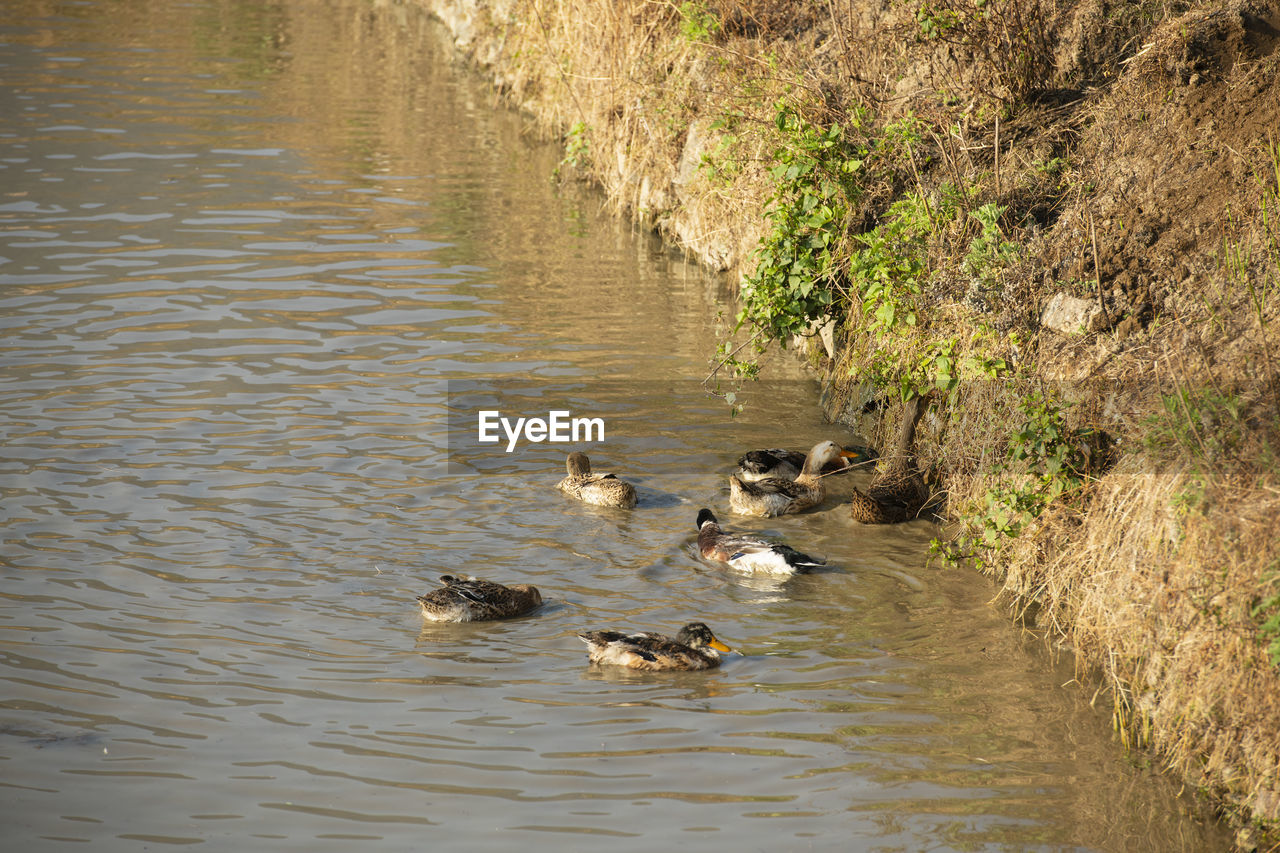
point(468, 599)
point(695, 647)
point(787, 464)
point(597, 489)
point(774, 496)
point(746, 553)
point(898, 493)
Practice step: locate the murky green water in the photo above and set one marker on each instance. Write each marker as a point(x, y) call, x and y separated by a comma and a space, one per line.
point(248, 252)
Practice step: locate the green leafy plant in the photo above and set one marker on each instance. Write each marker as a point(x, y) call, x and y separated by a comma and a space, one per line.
point(890, 265)
point(1053, 167)
point(697, 22)
point(577, 147)
point(720, 165)
point(935, 22)
point(1046, 460)
point(989, 252)
point(1051, 450)
point(1267, 614)
point(810, 268)
point(799, 271)
point(888, 274)
point(980, 362)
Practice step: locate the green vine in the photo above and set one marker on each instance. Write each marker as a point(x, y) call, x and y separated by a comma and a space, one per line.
point(811, 268)
point(1046, 461)
point(799, 274)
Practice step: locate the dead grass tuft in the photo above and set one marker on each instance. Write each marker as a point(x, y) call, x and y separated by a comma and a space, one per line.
point(1154, 584)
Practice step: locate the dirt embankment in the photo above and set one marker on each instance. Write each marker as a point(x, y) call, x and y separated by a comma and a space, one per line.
point(1065, 216)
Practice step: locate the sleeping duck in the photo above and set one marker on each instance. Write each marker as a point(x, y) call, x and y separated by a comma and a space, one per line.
point(695, 647)
point(774, 496)
point(747, 553)
point(898, 492)
point(787, 464)
point(468, 599)
point(598, 489)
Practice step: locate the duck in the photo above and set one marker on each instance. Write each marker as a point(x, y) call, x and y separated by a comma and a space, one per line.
point(469, 599)
point(597, 489)
point(694, 647)
point(787, 464)
point(898, 493)
point(775, 496)
point(745, 553)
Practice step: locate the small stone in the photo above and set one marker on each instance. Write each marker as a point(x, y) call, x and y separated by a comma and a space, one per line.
point(1071, 315)
point(828, 335)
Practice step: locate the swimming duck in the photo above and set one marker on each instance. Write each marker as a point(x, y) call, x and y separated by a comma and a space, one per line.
point(898, 492)
point(747, 553)
point(598, 489)
point(774, 496)
point(787, 464)
point(468, 599)
point(695, 647)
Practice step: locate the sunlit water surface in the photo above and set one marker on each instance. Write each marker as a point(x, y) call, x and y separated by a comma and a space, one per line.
point(247, 252)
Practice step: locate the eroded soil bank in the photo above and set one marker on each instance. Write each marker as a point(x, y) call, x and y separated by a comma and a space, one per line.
point(1059, 216)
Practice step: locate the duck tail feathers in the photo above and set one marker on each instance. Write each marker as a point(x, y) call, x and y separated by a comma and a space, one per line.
point(798, 561)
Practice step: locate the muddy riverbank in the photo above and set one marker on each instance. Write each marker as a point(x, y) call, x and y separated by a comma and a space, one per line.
point(1062, 214)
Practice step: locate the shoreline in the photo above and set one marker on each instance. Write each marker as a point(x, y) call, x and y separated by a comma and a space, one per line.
point(1077, 249)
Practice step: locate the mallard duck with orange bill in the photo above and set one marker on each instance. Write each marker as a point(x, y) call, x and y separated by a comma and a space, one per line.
point(695, 647)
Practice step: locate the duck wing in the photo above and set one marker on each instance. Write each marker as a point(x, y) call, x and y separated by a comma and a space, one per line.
point(475, 590)
point(601, 638)
point(752, 553)
point(772, 462)
point(795, 559)
point(643, 650)
point(905, 490)
point(774, 486)
point(760, 556)
point(490, 600)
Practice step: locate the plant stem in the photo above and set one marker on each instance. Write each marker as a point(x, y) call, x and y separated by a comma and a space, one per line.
point(1097, 272)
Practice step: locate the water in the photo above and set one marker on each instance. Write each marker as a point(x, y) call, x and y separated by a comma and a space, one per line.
point(257, 260)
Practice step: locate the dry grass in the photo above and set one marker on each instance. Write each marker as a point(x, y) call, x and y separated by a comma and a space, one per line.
point(639, 97)
point(1157, 596)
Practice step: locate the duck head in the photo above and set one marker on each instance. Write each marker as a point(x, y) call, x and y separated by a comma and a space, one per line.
point(578, 465)
point(697, 635)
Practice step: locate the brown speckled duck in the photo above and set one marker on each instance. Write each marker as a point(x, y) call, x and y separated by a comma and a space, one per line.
point(898, 492)
point(468, 599)
point(774, 496)
point(598, 489)
point(695, 647)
